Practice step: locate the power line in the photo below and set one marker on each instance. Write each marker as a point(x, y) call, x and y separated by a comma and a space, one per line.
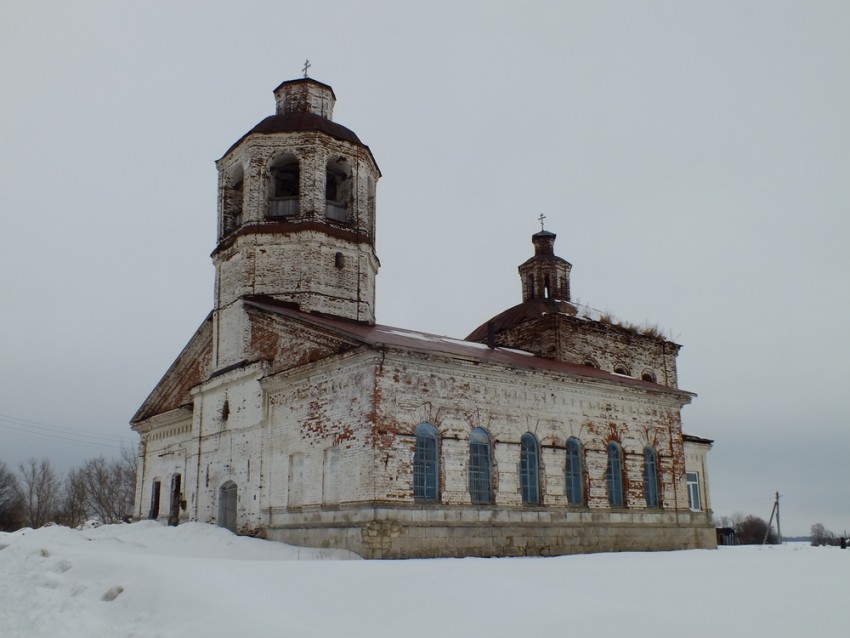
point(56, 428)
point(47, 431)
point(56, 437)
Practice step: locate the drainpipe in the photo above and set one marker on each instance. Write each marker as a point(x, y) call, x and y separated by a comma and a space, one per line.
point(198, 474)
point(142, 479)
point(674, 472)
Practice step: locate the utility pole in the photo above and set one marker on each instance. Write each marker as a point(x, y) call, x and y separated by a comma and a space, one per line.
point(775, 510)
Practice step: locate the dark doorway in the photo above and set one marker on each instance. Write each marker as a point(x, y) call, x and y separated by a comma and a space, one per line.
point(174, 510)
point(155, 500)
point(227, 506)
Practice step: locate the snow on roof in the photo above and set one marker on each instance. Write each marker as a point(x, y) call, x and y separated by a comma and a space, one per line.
point(415, 340)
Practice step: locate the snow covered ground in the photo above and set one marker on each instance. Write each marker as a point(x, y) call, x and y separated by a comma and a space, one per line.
point(151, 581)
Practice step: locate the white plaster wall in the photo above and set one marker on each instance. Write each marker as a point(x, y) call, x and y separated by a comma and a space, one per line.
point(456, 397)
point(228, 446)
point(696, 460)
point(164, 453)
point(311, 413)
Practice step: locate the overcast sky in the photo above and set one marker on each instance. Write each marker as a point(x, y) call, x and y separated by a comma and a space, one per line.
point(693, 158)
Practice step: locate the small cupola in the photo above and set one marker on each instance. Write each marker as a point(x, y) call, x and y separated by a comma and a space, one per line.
point(545, 276)
point(544, 243)
point(305, 95)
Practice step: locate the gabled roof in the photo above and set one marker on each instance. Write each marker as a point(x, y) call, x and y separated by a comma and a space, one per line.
point(379, 336)
point(187, 371)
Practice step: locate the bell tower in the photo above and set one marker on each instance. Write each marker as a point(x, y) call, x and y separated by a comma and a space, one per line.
point(545, 276)
point(296, 217)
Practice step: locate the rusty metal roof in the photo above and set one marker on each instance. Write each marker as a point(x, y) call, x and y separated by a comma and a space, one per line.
point(296, 122)
point(519, 314)
point(305, 81)
point(378, 336)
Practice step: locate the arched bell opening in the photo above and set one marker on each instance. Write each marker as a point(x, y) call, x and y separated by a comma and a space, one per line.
point(338, 190)
point(285, 186)
point(233, 197)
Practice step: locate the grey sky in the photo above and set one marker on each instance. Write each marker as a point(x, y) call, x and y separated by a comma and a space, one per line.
point(693, 158)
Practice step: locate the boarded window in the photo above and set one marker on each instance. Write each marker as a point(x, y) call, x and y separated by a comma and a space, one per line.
point(330, 476)
point(295, 493)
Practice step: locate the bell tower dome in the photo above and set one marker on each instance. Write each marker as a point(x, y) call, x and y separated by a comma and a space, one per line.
point(296, 217)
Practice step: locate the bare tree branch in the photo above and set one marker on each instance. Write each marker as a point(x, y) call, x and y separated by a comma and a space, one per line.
point(41, 491)
point(10, 500)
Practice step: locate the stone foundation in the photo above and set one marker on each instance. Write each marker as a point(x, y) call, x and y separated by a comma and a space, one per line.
point(395, 532)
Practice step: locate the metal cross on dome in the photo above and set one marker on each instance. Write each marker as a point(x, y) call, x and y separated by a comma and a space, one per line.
point(307, 65)
point(540, 219)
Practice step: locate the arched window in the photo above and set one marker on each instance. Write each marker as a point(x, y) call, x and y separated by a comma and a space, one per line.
point(622, 369)
point(480, 490)
point(648, 375)
point(426, 464)
point(614, 475)
point(529, 481)
point(650, 476)
point(227, 506)
point(575, 473)
point(285, 186)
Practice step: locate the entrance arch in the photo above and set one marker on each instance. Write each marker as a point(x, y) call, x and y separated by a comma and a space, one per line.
point(227, 506)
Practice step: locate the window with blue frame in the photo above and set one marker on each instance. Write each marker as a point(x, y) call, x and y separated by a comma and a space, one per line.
point(575, 473)
point(614, 475)
point(426, 464)
point(480, 484)
point(650, 476)
point(529, 480)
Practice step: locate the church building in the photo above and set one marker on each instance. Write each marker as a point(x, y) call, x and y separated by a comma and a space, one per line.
point(293, 416)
